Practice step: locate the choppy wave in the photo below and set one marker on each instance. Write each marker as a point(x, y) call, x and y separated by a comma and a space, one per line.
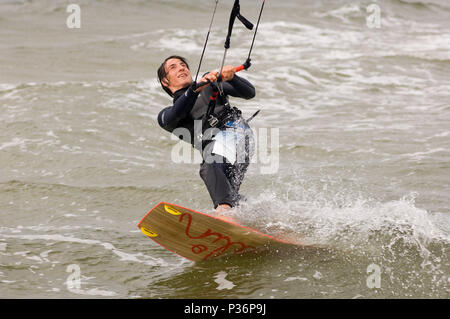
point(411, 244)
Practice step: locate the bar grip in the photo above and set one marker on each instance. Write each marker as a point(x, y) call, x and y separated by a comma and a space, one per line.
point(244, 66)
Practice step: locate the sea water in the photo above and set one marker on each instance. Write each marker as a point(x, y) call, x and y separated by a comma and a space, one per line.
point(355, 104)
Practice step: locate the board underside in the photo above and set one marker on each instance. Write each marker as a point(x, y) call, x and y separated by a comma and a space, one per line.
point(199, 237)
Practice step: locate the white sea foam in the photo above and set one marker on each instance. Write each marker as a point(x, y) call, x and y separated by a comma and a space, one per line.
point(6, 87)
point(123, 256)
point(94, 292)
point(343, 13)
point(296, 278)
point(418, 156)
point(344, 222)
point(14, 142)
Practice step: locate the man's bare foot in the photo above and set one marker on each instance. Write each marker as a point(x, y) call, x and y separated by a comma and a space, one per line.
point(222, 209)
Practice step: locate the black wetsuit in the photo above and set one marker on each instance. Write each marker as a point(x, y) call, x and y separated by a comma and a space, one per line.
point(222, 179)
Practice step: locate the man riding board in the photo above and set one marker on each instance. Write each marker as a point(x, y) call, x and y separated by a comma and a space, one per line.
point(226, 152)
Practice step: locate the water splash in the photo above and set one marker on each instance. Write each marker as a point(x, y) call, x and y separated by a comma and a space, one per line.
point(410, 244)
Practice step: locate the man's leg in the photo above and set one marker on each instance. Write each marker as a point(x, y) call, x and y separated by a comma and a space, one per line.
point(235, 174)
point(222, 179)
point(221, 190)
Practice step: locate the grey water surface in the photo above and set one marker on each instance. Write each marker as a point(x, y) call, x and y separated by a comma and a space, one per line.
point(358, 114)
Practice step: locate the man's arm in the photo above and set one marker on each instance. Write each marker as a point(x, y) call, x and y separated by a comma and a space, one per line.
point(170, 116)
point(239, 87)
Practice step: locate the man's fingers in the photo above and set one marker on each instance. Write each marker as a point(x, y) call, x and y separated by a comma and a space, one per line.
point(208, 78)
point(211, 76)
point(227, 73)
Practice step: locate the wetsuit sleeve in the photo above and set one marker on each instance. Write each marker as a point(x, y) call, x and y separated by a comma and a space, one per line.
point(170, 116)
point(239, 87)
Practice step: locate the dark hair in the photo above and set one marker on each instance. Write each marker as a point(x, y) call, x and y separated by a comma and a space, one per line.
point(162, 71)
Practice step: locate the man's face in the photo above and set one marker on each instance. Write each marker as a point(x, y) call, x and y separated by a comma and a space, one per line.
point(178, 75)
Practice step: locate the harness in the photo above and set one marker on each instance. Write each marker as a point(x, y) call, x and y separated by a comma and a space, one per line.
point(229, 117)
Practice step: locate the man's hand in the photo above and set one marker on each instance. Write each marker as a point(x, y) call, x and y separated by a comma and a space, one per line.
point(209, 77)
point(228, 73)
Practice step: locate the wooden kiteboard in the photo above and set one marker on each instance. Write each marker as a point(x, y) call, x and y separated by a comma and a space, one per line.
point(199, 237)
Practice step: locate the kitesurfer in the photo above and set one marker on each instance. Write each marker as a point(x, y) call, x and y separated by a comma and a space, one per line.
point(226, 152)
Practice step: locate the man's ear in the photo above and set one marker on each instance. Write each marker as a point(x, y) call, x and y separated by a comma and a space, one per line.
point(165, 82)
